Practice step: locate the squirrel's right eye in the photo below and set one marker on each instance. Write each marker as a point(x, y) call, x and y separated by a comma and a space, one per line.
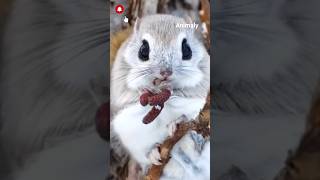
point(144, 51)
point(186, 50)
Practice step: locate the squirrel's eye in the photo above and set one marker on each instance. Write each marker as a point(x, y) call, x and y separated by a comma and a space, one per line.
point(144, 51)
point(186, 50)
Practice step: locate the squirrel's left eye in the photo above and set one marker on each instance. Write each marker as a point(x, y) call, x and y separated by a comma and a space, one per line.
point(186, 50)
point(144, 51)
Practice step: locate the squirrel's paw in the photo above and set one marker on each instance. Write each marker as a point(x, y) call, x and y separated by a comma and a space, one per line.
point(172, 127)
point(154, 155)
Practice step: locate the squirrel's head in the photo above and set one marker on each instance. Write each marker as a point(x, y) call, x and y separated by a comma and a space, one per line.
point(160, 49)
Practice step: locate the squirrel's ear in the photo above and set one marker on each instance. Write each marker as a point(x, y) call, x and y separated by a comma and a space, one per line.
point(136, 25)
point(188, 19)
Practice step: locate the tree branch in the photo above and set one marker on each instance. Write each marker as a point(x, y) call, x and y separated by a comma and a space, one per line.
point(201, 125)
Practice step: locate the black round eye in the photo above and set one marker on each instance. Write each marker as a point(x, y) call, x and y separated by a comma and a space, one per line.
point(186, 50)
point(144, 51)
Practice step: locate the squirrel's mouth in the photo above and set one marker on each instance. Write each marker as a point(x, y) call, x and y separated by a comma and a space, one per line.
point(159, 81)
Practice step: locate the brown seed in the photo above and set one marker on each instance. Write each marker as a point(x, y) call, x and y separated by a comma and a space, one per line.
point(160, 98)
point(152, 114)
point(144, 99)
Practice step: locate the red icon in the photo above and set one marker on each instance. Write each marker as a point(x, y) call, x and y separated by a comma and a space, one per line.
point(119, 9)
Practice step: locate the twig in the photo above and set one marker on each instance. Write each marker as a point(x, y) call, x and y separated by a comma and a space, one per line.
point(204, 14)
point(201, 126)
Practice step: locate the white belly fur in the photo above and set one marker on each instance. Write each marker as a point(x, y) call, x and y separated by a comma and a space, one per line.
point(140, 138)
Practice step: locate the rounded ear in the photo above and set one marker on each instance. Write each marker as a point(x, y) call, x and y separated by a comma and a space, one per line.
point(188, 19)
point(136, 25)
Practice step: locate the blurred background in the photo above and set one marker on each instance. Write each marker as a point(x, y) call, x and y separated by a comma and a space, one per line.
point(264, 72)
point(197, 10)
point(54, 62)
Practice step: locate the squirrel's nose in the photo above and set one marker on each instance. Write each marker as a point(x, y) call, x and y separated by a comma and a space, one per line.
point(166, 73)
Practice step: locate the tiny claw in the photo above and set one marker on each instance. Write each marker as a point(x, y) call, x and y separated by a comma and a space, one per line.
point(154, 156)
point(172, 127)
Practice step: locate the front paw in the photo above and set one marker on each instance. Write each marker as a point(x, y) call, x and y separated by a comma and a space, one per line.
point(154, 155)
point(172, 126)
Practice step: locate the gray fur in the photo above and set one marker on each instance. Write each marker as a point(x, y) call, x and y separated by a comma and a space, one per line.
point(53, 75)
point(266, 55)
point(266, 65)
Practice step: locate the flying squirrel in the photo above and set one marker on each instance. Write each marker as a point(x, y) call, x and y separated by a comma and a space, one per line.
point(157, 55)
